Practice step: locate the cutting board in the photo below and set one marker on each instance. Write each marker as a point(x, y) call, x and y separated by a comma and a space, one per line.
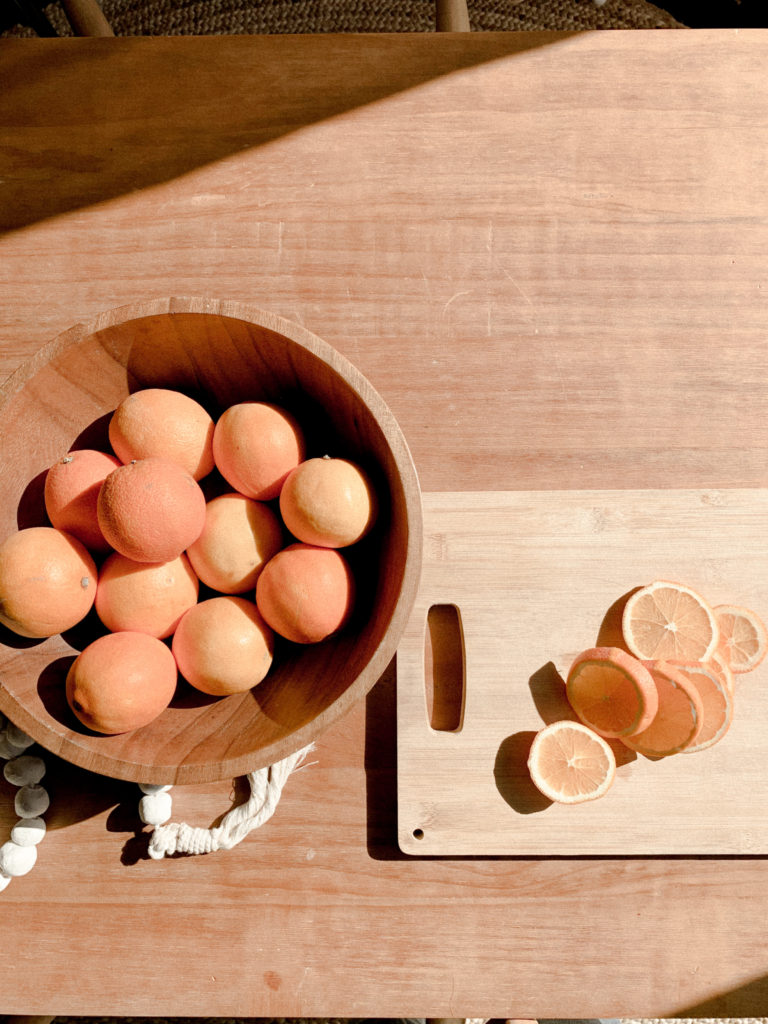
point(514, 585)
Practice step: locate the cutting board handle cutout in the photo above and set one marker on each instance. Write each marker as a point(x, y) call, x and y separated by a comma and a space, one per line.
point(444, 667)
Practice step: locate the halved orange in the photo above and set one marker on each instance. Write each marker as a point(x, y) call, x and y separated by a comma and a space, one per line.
point(680, 716)
point(611, 692)
point(717, 701)
point(669, 620)
point(743, 637)
point(570, 763)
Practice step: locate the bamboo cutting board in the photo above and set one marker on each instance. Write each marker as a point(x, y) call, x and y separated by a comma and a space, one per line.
point(536, 577)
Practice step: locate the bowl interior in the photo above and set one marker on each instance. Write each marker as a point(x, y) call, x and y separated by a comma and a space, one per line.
point(220, 354)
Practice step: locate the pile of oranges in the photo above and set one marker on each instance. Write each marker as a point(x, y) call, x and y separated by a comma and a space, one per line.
point(133, 536)
point(669, 689)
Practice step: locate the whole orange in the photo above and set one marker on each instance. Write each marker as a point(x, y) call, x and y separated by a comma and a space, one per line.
point(256, 445)
point(167, 424)
point(47, 581)
point(145, 597)
point(239, 537)
point(71, 494)
point(121, 681)
point(223, 645)
point(328, 502)
point(306, 593)
point(151, 510)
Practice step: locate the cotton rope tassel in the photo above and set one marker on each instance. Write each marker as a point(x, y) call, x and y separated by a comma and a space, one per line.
point(168, 837)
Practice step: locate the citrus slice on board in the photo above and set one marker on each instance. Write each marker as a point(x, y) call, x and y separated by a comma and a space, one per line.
point(669, 620)
point(722, 670)
point(570, 763)
point(611, 692)
point(743, 637)
point(680, 716)
point(717, 701)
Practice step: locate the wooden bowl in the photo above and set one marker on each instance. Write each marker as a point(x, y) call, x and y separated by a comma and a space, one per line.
point(220, 353)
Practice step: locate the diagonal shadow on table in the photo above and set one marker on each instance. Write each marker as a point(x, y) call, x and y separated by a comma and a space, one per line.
point(92, 119)
point(381, 767)
point(747, 1001)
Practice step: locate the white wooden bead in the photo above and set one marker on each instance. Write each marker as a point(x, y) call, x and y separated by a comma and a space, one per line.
point(17, 860)
point(17, 737)
point(7, 749)
point(4, 880)
point(24, 771)
point(150, 787)
point(28, 831)
point(155, 808)
point(31, 801)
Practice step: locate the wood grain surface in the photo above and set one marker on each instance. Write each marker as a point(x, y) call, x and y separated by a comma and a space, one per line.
point(547, 253)
point(536, 578)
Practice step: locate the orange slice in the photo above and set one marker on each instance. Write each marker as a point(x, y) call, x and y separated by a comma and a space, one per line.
point(611, 692)
point(716, 699)
point(743, 637)
point(570, 763)
point(722, 670)
point(668, 620)
point(680, 716)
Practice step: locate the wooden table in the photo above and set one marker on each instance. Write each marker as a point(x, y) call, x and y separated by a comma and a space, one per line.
point(547, 252)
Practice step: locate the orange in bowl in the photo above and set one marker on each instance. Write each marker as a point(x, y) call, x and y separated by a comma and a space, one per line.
point(166, 424)
point(151, 510)
point(121, 682)
point(71, 494)
point(256, 445)
point(239, 537)
point(145, 597)
point(47, 581)
point(328, 502)
point(223, 645)
point(306, 593)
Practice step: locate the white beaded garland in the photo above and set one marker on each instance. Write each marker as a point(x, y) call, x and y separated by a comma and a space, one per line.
point(28, 831)
point(19, 854)
point(24, 770)
point(155, 808)
point(17, 860)
point(151, 787)
point(7, 749)
point(31, 801)
point(17, 738)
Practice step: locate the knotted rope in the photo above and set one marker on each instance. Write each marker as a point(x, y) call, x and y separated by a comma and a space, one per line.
point(266, 788)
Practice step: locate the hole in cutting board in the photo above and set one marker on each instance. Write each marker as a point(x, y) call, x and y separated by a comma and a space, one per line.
point(444, 667)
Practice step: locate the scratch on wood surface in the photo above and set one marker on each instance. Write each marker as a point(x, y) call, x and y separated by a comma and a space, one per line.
point(519, 287)
point(558, 368)
point(496, 263)
point(453, 298)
